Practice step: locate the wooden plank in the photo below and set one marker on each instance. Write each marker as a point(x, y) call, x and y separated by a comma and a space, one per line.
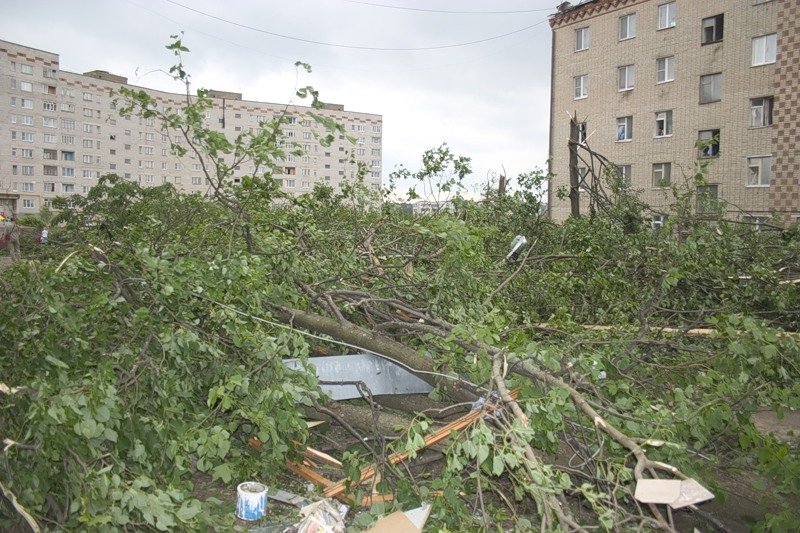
point(444, 432)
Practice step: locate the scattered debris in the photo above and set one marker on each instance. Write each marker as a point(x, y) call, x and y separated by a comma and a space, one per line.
point(322, 517)
point(677, 493)
point(411, 521)
point(343, 377)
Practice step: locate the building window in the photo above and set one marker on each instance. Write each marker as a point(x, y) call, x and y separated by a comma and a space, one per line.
point(665, 69)
point(760, 172)
point(765, 49)
point(712, 29)
point(289, 184)
point(67, 156)
point(581, 86)
point(26, 69)
point(581, 39)
point(624, 128)
point(27, 186)
point(49, 186)
point(757, 221)
point(27, 136)
point(657, 221)
point(582, 173)
point(662, 174)
point(26, 103)
point(49, 106)
point(710, 88)
point(28, 204)
point(196, 180)
point(666, 16)
point(626, 77)
point(582, 132)
point(67, 172)
point(627, 26)
point(663, 124)
point(707, 198)
point(708, 143)
point(26, 86)
point(761, 111)
point(624, 176)
point(68, 187)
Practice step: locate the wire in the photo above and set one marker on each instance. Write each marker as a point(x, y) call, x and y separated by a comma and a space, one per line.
point(449, 12)
point(353, 47)
point(474, 59)
point(335, 341)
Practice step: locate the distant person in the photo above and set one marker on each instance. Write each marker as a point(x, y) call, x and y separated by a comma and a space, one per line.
point(43, 236)
point(11, 236)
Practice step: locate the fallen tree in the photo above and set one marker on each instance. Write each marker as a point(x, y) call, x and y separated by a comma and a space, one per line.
point(144, 347)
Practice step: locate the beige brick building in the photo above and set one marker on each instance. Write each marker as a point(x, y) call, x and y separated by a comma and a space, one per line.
point(59, 132)
point(649, 78)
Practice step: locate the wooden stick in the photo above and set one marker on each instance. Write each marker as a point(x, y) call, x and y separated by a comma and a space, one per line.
point(457, 425)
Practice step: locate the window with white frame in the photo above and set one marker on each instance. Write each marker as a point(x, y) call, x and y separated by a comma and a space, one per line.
point(582, 185)
point(49, 186)
point(626, 77)
point(87, 97)
point(27, 170)
point(26, 69)
point(196, 180)
point(663, 124)
point(666, 16)
point(665, 69)
point(662, 175)
point(627, 26)
point(708, 143)
point(27, 153)
point(625, 128)
point(624, 176)
point(26, 86)
point(26, 103)
point(759, 171)
point(582, 132)
point(28, 203)
point(49, 122)
point(67, 172)
point(27, 136)
point(712, 29)
point(710, 88)
point(765, 49)
point(49, 106)
point(657, 221)
point(761, 111)
point(27, 186)
point(68, 187)
point(581, 39)
point(580, 86)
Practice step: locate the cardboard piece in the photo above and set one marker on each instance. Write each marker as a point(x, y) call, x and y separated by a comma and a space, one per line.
point(411, 521)
point(673, 492)
point(692, 492)
point(657, 490)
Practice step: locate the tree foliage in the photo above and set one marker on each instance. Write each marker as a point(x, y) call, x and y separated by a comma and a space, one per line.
point(144, 345)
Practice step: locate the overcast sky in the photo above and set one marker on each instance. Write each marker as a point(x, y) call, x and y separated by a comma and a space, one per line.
point(488, 101)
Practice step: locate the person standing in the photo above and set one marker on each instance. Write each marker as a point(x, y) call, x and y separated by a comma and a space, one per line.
point(11, 235)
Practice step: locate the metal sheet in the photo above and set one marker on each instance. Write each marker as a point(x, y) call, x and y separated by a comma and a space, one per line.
point(380, 375)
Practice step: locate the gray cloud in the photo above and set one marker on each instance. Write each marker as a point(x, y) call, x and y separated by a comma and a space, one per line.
point(489, 101)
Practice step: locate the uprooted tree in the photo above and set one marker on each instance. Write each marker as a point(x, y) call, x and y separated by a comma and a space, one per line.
point(144, 347)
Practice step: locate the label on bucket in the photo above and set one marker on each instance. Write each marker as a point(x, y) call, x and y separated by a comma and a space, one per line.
point(251, 500)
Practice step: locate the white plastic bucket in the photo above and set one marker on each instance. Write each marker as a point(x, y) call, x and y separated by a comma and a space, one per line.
point(251, 500)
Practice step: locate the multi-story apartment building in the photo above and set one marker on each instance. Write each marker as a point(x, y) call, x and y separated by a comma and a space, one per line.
point(60, 131)
point(647, 79)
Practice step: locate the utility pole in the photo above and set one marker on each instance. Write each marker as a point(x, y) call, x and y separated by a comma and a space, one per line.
point(574, 177)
